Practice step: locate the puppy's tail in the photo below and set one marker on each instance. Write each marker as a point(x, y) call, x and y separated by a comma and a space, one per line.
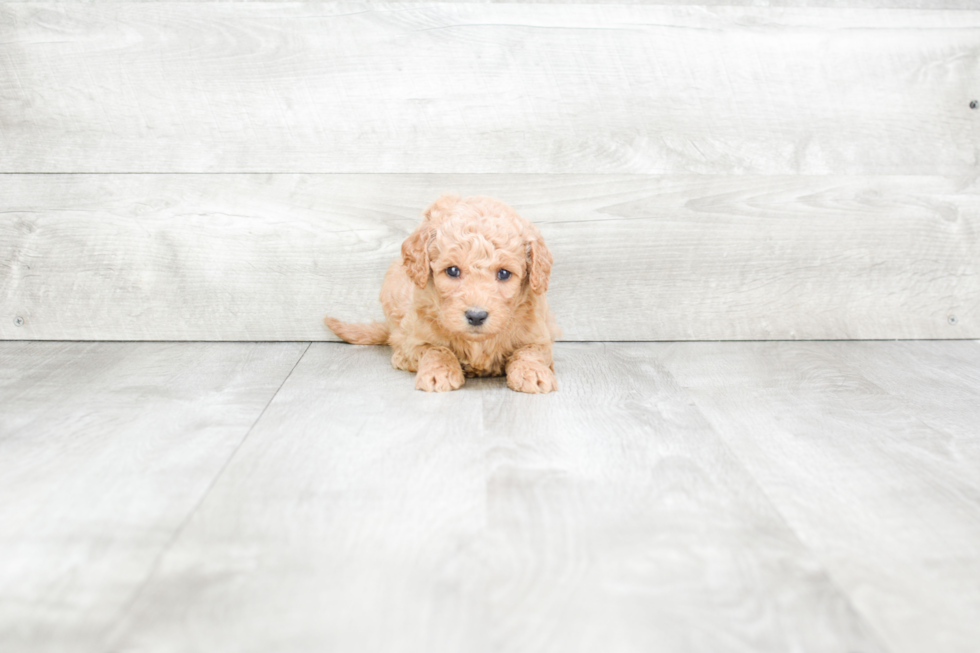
point(375, 333)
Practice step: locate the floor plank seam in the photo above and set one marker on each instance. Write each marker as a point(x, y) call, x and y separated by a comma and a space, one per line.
point(106, 635)
point(845, 595)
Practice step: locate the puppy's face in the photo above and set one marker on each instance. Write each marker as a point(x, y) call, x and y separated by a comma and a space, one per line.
point(478, 283)
point(478, 263)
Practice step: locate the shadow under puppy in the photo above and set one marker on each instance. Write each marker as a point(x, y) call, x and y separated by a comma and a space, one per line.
point(467, 298)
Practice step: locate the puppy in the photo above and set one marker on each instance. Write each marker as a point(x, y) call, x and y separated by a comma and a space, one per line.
point(467, 298)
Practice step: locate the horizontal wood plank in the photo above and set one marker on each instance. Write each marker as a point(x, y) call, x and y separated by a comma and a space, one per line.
point(485, 88)
point(105, 450)
point(265, 257)
point(841, 4)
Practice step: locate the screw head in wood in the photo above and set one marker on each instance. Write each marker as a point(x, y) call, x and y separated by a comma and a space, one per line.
point(952, 320)
point(974, 104)
point(18, 321)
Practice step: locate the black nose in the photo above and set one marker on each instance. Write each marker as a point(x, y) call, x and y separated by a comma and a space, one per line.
point(476, 318)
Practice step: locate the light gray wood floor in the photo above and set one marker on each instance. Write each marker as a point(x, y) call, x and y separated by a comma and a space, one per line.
point(753, 496)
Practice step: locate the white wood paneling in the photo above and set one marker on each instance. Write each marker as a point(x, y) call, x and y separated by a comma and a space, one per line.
point(886, 494)
point(363, 515)
point(105, 449)
point(264, 257)
point(843, 4)
point(501, 88)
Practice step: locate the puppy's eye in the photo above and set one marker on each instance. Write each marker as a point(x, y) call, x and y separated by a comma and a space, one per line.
point(503, 275)
point(453, 271)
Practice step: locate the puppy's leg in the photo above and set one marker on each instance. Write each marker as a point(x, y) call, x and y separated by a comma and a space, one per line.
point(439, 371)
point(530, 369)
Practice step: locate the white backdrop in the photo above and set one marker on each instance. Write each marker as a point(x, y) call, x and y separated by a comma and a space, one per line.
point(234, 171)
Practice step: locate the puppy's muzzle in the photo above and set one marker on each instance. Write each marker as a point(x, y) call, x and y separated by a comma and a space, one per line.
point(476, 317)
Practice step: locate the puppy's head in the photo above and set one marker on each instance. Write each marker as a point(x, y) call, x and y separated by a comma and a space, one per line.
point(478, 263)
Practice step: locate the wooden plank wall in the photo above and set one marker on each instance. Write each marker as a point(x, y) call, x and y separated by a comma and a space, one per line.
point(233, 171)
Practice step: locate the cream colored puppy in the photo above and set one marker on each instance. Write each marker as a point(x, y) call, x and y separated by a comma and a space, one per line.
point(467, 298)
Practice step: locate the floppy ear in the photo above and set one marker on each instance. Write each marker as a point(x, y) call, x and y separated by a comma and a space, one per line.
point(415, 254)
point(539, 259)
point(415, 249)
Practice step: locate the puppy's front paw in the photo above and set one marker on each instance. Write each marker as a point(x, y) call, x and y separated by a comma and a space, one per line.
point(441, 378)
point(401, 362)
point(530, 377)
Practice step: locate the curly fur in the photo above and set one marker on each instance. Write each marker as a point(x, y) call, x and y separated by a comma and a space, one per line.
point(425, 308)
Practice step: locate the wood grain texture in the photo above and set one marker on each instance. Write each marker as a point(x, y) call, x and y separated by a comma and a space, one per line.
point(363, 515)
point(105, 449)
point(264, 257)
point(486, 88)
point(670, 497)
point(938, 381)
point(841, 4)
point(348, 521)
point(620, 521)
point(882, 486)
